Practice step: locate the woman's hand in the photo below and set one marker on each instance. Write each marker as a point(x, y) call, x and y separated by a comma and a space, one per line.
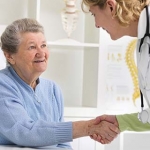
point(99, 129)
point(110, 126)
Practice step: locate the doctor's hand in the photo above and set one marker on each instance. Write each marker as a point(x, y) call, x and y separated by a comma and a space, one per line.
point(112, 125)
point(108, 118)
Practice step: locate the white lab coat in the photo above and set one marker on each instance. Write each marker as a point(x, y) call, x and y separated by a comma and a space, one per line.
point(143, 61)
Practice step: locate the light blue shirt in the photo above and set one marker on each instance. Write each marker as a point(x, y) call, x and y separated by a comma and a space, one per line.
point(30, 117)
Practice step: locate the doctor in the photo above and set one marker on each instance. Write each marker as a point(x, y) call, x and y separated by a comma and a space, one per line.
point(127, 18)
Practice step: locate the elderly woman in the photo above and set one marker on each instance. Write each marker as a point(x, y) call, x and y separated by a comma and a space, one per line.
point(31, 108)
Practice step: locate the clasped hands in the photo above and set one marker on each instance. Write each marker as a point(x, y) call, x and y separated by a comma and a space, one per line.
point(104, 129)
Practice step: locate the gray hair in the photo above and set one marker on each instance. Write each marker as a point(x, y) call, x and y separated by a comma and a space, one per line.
point(11, 37)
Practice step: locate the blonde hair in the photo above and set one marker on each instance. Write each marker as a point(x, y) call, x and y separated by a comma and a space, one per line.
point(126, 10)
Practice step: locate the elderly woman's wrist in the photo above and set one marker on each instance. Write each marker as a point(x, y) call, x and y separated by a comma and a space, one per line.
point(90, 128)
point(80, 129)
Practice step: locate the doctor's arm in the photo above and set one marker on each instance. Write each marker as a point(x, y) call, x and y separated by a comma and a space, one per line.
point(125, 122)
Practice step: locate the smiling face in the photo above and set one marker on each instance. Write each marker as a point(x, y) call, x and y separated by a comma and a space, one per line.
point(31, 58)
point(104, 19)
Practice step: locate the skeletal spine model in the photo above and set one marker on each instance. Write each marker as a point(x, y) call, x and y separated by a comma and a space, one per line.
point(69, 17)
point(132, 68)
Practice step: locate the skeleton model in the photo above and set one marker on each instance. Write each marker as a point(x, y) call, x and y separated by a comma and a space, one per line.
point(69, 17)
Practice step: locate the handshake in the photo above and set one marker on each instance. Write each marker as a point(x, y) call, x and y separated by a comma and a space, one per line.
point(103, 129)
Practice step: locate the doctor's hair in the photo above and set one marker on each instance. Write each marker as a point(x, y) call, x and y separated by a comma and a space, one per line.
point(126, 10)
point(11, 37)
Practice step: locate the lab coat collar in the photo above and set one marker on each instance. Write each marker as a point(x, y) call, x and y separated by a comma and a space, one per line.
point(142, 24)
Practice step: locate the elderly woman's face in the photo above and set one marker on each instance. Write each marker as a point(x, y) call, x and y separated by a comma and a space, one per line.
point(32, 55)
